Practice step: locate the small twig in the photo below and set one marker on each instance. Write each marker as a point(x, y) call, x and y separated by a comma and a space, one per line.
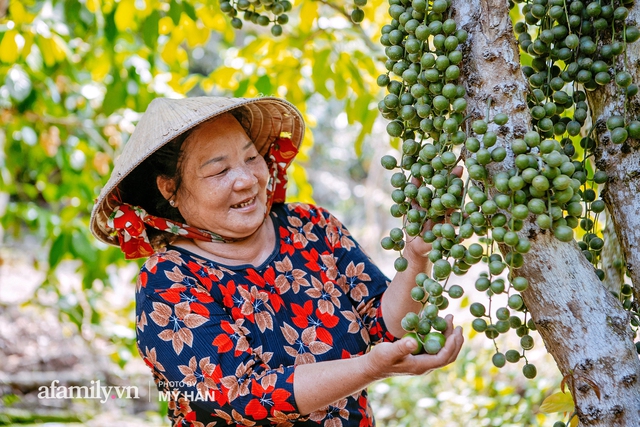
point(4, 5)
point(365, 38)
point(75, 122)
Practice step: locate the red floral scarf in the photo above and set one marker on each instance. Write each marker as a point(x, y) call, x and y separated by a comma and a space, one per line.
point(130, 222)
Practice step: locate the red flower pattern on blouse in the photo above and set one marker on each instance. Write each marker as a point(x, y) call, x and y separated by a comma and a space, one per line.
point(232, 336)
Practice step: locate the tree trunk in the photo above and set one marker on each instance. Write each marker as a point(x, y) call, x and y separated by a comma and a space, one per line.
point(583, 326)
point(611, 253)
point(621, 162)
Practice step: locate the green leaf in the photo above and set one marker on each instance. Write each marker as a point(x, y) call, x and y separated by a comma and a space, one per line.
point(75, 313)
point(558, 402)
point(72, 10)
point(189, 10)
point(82, 248)
point(322, 72)
point(115, 96)
point(96, 317)
point(263, 85)
point(367, 119)
point(175, 10)
point(150, 29)
point(339, 82)
point(358, 108)
point(110, 29)
point(59, 247)
point(361, 106)
point(357, 84)
point(242, 88)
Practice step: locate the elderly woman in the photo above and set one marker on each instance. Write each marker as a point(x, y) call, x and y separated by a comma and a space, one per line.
point(251, 311)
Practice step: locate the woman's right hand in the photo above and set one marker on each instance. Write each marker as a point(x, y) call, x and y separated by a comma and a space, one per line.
point(319, 384)
point(390, 359)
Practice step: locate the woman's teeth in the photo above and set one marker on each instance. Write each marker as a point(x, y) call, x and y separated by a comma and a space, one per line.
point(242, 205)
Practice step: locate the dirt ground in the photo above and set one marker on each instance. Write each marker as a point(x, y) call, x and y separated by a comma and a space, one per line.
point(37, 351)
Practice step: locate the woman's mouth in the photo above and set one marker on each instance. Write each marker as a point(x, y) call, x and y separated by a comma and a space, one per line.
point(243, 204)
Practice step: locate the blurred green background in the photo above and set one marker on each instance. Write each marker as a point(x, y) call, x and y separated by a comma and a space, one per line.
point(75, 75)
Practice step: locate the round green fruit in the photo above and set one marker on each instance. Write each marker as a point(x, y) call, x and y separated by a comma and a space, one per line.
point(456, 291)
point(436, 336)
point(515, 302)
point(389, 162)
point(417, 340)
point(401, 263)
point(529, 371)
point(499, 360)
point(441, 269)
point(479, 325)
point(563, 233)
point(410, 321)
point(479, 127)
point(477, 309)
point(512, 356)
point(418, 294)
point(501, 119)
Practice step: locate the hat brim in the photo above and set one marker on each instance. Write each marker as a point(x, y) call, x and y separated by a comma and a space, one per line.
point(166, 119)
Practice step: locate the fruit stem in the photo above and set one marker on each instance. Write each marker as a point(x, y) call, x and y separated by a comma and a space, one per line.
point(489, 100)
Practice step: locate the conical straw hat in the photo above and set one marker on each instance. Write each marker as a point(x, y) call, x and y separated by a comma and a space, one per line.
point(166, 119)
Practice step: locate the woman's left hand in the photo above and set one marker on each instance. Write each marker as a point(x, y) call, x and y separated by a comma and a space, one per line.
point(416, 249)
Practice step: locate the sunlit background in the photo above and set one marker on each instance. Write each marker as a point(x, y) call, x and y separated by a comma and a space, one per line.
point(74, 77)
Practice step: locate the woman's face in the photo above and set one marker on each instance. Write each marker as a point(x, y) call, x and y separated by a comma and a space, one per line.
point(224, 180)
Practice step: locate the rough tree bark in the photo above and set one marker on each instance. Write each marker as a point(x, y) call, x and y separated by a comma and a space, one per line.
point(621, 162)
point(614, 276)
point(583, 326)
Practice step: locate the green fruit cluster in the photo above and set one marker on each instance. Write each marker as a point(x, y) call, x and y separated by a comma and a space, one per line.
point(576, 49)
point(261, 12)
point(552, 180)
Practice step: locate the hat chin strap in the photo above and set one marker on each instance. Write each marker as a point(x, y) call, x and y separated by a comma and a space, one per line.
point(130, 222)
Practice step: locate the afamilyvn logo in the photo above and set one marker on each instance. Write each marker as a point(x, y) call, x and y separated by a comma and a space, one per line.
point(94, 391)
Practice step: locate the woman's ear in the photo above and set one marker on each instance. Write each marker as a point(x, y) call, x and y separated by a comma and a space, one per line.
point(167, 187)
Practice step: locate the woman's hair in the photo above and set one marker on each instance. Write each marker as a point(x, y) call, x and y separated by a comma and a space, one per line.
point(140, 187)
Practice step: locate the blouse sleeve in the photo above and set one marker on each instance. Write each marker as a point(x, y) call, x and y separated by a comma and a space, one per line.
point(359, 277)
point(197, 351)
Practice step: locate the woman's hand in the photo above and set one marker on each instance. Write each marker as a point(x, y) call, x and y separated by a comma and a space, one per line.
point(317, 385)
point(390, 359)
point(416, 249)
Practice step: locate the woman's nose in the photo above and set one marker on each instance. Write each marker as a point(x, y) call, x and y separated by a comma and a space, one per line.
point(244, 178)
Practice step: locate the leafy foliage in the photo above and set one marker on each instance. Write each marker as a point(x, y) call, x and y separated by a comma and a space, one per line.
point(76, 75)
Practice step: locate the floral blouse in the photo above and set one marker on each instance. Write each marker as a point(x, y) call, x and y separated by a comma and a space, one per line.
point(223, 342)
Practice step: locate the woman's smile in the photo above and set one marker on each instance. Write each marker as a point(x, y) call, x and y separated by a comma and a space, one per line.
point(246, 204)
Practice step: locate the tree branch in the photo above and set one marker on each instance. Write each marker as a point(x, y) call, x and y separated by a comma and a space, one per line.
point(75, 122)
point(4, 5)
